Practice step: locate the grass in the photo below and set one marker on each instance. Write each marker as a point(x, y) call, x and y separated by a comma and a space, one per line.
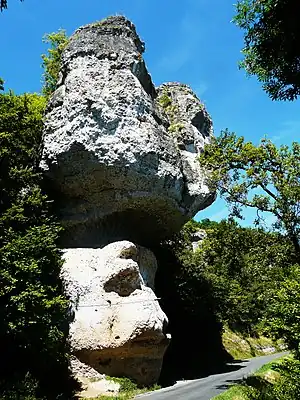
point(240, 347)
point(237, 392)
point(261, 378)
point(128, 389)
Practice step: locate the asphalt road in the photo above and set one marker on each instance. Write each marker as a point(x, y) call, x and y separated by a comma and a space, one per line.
point(211, 386)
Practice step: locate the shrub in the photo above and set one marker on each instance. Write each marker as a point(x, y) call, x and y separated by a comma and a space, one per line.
point(33, 311)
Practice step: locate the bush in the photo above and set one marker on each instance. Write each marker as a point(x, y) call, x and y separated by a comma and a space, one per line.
point(287, 387)
point(34, 310)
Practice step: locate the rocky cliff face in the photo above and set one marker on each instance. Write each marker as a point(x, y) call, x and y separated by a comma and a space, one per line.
point(121, 156)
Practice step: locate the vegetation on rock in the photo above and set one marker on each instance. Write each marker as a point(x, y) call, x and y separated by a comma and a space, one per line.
point(240, 345)
point(52, 61)
point(165, 100)
point(171, 109)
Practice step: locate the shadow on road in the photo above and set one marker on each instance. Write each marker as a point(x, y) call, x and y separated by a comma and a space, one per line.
point(252, 380)
point(229, 383)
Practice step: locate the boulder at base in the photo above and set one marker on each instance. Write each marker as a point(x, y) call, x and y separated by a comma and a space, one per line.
point(119, 328)
point(120, 155)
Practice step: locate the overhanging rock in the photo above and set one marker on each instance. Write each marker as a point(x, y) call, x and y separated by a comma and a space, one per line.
point(120, 154)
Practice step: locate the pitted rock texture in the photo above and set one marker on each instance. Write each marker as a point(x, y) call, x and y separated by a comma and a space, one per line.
point(119, 328)
point(120, 166)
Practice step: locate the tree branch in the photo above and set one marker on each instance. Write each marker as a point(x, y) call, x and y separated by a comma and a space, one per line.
point(251, 205)
point(268, 192)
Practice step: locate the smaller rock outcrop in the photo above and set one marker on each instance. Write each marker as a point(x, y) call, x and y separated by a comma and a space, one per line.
point(197, 238)
point(119, 328)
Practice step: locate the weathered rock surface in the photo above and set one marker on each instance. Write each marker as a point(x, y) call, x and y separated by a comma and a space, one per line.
point(93, 384)
point(120, 156)
point(119, 328)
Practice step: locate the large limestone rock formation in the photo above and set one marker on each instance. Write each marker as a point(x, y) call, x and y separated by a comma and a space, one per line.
point(120, 154)
point(121, 158)
point(119, 328)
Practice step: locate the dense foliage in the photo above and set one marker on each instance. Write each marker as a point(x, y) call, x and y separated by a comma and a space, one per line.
point(271, 49)
point(230, 280)
point(3, 4)
point(52, 60)
point(262, 177)
point(284, 312)
point(266, 293)
point(243, 266)
point(33, 311)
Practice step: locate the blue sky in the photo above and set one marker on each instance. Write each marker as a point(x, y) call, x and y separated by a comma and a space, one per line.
point(191, 41)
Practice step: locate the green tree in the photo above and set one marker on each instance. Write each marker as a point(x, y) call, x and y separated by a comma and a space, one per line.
point(271, 37)
point(52, 60)
point(262, 177)
point(34, 310)
point(242, 267)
